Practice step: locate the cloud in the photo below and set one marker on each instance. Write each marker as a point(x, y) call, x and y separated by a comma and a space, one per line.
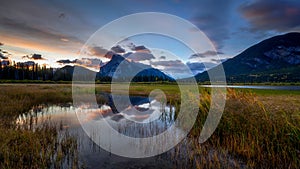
point(36, 33)
point(118, 49)
point(3, 52)
point(162, 57)
point(178, 67)
point(141, 48)
point(213, 18)
point(126, 55)
point(86, 62)
point(109, 55)
point(2, 56)
point(139, 56)
point(168, 63)
point(41, 26)
point(171, 66)
point(55, 16)
point(208, 53)
point(219, 60)
point(137, 48)
point(34, 57)
point(27, 63)
point(62, 15)
point(140, 53)
point(64, 39)
point(269, 15)
point(90, 62)
point(66, 61)
point(198, 67)
point(175, 68)
point(99, 51)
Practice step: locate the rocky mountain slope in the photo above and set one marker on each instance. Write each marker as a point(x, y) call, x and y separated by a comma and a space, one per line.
point(276, 59)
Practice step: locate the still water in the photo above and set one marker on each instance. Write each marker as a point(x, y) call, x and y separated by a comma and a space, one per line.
point(154, 117)
point(126, 122)
point(256, 87)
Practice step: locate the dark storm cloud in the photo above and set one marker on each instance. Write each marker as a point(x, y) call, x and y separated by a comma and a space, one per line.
point(141, 53)
point(1, 52)
point(205, 54)
point(34, 57)
point(66, 61)
point(213, 19)
point(136, 48)
point(62, 15)
point(162, 57)
point(268, 15)
point(140, 48)
point(2, 56)
point(118, 49)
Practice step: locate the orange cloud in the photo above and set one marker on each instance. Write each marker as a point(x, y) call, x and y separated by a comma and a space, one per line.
point(24, 43)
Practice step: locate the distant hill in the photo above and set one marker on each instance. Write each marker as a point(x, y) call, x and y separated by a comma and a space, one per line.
point(276, 59)
point(66, 73)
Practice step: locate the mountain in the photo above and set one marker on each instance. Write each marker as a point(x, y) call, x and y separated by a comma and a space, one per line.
point(114, 68)
point(276, 59)
point(66, 73)
point(122, 69)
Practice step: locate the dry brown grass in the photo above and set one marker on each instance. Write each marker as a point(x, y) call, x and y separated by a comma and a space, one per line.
point(28, 148)
point(250, 135)
point(255, 131)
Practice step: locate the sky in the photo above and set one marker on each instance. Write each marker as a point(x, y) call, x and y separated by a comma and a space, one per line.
point(59, 30)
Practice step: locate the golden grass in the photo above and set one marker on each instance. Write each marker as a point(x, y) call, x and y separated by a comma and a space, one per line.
point(251, 134)
point(256, 131)
point(28, 148)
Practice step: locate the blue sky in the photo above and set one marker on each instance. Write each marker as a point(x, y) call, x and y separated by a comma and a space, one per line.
point(58, 29)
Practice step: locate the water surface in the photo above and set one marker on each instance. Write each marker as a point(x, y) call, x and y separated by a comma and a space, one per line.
point(153, 118)
point(256, 87)
point(127, 122)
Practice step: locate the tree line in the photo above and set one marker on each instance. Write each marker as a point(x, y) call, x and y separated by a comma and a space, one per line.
point(25, 71)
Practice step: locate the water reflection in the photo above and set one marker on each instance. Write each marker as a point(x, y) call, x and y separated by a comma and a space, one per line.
point(268, 87)
point(60, 114)
point(153, 118)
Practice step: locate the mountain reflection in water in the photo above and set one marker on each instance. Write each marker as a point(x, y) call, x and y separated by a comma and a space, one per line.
point(152, 118)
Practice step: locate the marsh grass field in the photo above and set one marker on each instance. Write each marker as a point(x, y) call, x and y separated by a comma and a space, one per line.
point(258, 129)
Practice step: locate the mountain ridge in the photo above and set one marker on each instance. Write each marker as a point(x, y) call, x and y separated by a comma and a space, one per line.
point(276, 59)
point(118, 69)
point(117, 66)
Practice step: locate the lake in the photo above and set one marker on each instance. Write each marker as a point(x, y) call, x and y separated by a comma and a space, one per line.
point(159, 115)
point(154, 118)
point(256, 87)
